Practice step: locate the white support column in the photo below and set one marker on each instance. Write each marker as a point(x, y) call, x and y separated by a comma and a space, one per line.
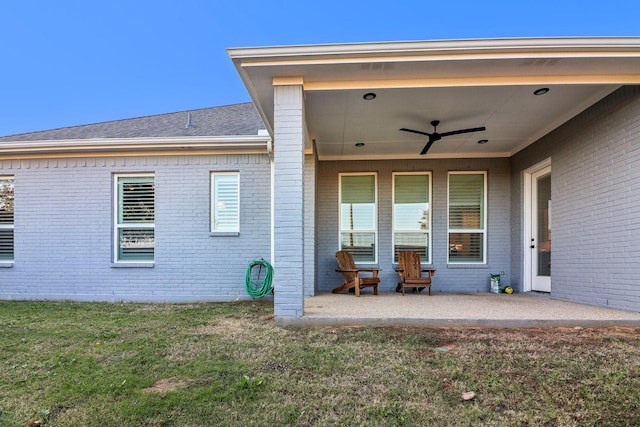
point(310, 224)
point(289, 140)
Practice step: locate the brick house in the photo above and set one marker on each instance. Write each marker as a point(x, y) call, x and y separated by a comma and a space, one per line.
point(328, 156)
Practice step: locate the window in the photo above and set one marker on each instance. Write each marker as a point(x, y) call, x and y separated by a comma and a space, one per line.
point(358, 216)
point(135, 218)
point(467, 217)
point(412, 214)
point(225, 202)
point(6, 218)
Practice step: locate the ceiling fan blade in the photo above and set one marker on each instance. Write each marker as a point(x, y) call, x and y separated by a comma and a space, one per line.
point(415, 131)
point(426, 147)
point(457, 132)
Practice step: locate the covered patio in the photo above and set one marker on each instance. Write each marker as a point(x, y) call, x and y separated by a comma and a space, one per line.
point(525, 310)
point(455, 149)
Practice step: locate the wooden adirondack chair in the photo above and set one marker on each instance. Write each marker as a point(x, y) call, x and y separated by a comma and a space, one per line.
point(353, 276)
point(410, 272)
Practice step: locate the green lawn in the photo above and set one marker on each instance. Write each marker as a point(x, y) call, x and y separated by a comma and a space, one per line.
point(82, 364)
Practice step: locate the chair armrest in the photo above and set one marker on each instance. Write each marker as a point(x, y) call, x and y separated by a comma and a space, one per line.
point(348, 271)
point(373, 271)
point(431, 271)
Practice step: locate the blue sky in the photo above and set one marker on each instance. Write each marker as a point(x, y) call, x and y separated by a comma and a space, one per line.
point(65, 63)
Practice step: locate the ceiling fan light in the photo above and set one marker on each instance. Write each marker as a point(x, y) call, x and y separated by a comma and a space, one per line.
point(483, 141)
point(541, 91)
point(369, 96)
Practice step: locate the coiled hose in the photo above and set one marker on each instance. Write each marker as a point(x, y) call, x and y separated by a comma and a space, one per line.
point(259, 288)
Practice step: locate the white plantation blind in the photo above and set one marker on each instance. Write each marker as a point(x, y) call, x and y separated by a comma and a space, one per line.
point(467, 212)
point(6, 200)
point(225, 202)
point(136, 244)
point(6, 218)
point(466, 201)
point(135, 227)
point(137, 199)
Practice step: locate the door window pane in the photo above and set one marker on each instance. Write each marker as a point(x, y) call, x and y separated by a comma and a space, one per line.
point(544, 225)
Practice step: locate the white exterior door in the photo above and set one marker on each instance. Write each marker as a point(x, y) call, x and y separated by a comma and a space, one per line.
point(541, 230)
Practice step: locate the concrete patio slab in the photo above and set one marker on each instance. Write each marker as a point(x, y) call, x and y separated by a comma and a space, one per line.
point(457, 310)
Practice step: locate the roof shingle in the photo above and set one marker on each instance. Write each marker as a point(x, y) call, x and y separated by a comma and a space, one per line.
point(236, 119)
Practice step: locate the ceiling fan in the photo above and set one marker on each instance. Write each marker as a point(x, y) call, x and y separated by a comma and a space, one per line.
point(435, 136)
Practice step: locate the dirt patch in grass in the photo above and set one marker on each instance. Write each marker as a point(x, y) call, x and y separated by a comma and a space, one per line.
point(166, 384)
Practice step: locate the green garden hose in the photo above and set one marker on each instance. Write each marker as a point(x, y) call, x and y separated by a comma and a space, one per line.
point(260, 287)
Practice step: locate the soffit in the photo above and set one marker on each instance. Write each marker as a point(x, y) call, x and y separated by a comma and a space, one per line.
point(467, 83)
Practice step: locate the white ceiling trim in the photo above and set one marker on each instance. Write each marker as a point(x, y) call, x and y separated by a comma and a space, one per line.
point(417, 156)
point(471, 82)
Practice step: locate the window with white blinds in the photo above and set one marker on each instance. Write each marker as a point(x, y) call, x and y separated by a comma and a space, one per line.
point(467, 217)
point(412, 214)
point(135, 218)
point(225, 202)
point(6, 218)
point(358, 216)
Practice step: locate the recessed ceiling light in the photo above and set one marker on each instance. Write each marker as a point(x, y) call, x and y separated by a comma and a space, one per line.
point(359, 144)
point(369, 96)
point(483, 141)
point(541, 91)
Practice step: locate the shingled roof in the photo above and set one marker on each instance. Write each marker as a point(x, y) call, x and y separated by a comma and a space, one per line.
point(236, 119)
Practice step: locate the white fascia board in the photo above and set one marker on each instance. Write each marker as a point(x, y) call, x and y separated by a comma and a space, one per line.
point(236, 143)
point(473, 47)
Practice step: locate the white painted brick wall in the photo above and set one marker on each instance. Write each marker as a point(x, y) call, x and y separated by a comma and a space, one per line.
point(63, 230)
point(596, 203)
point(448, 278)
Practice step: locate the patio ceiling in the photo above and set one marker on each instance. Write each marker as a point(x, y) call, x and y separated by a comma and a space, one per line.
point(463, 84)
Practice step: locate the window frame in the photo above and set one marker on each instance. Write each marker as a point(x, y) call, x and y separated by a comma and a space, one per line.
point(428, 253)
point(482, 230)
point(10, 226)
point(213, 203)
point(375, 214)
point(117, 226)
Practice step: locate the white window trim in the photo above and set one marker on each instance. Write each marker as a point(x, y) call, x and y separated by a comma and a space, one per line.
point(393, 210)
point(117, 226)
point(526, 222)
point(375, 219)
point(212, 197)
point(9, 262)
point(469, 230)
